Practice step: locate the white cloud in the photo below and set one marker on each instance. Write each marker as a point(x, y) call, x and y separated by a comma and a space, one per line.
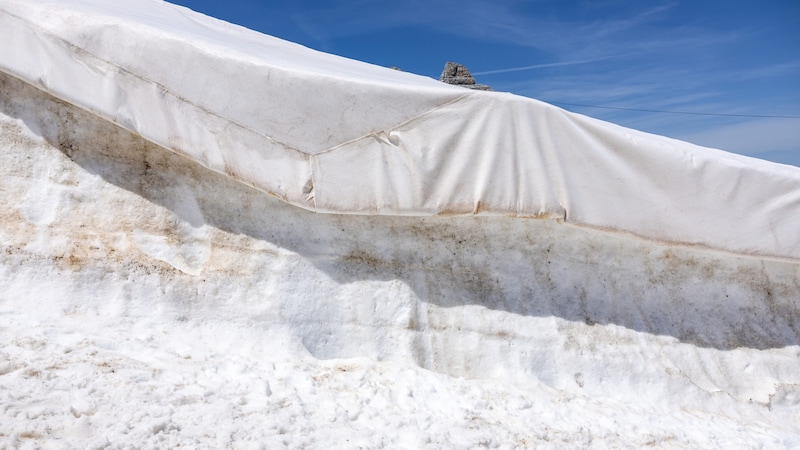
point(754, 138)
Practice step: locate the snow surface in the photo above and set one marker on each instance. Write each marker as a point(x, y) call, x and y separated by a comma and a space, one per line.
point(149, 300)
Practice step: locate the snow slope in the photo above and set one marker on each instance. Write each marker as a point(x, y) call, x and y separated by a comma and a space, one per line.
point(150, 299)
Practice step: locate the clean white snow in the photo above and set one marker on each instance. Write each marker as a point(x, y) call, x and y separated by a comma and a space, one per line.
point(149, 300)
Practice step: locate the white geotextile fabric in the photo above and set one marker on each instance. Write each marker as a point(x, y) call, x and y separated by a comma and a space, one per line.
point(334, 135)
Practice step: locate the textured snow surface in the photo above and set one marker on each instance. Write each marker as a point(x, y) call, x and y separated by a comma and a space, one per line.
point(149, 302)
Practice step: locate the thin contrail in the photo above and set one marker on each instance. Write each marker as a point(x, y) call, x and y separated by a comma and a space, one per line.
point(539, 66)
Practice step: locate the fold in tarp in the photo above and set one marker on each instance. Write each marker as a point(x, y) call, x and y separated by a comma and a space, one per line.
point(339, 136)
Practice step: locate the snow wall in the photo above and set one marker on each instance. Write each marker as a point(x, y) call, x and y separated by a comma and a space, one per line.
point(131, 276)
point(130, 271)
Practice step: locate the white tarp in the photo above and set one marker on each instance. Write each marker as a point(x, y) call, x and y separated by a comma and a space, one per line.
point(334, 135)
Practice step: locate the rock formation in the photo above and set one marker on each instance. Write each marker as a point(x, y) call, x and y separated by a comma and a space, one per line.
point(455, 73)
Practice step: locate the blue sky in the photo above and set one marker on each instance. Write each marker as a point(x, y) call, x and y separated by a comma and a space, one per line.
point(738, 58)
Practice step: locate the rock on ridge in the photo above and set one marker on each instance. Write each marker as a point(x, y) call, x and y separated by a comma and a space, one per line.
point(455, 73)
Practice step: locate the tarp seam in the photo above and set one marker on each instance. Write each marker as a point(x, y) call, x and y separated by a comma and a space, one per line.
point(379, 134)
point(78, 50)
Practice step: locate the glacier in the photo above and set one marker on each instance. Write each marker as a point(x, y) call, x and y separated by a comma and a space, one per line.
point(215, 238)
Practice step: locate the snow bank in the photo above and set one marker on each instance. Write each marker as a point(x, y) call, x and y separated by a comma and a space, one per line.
point(334, 135)
point(152, 300)
point(147, 301)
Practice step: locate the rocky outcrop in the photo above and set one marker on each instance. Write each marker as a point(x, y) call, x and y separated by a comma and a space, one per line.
point(455, 73)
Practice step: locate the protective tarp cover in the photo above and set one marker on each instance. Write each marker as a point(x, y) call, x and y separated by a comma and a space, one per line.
point(339, 136)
